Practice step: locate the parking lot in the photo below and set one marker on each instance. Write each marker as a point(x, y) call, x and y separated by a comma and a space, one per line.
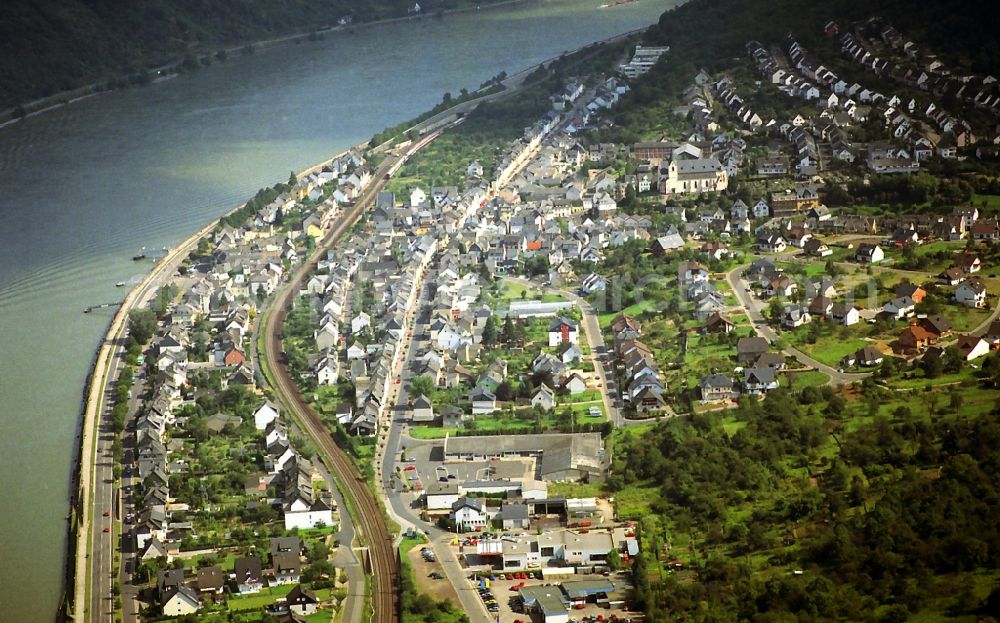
point(509, 609)
point(424, 462)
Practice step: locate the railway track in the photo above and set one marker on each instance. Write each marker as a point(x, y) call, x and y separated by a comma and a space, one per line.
point(372, 524)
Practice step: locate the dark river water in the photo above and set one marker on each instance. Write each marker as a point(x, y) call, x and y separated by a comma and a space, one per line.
point(82, 188)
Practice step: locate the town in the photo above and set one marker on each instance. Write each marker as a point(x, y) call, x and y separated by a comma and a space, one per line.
point(488, 351)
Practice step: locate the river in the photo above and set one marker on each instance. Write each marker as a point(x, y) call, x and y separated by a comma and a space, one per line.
point(83, 187)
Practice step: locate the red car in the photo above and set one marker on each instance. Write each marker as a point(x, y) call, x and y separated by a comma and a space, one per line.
point(107, 513)
point(409, 468)
point(107, 529)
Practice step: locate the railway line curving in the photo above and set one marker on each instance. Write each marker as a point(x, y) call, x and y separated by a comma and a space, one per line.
point(383, 557)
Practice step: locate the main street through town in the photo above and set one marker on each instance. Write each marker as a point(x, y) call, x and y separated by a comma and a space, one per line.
point(398, 506)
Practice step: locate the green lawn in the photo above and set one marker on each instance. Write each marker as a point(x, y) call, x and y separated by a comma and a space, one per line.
point(919, 382)
point(633, 310)
point(992, 202)
point(800, 380)
point(257, 601)
point(424, 431)
point(829, 348)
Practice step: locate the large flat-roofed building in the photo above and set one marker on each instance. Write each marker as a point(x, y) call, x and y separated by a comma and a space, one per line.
point(547, 601)
point(563, 457)
point(441, 495)
point(559, 548)
point(578, 591)
point(653, 151)
point(553, 602)
point(535, 309)
point(643, 60)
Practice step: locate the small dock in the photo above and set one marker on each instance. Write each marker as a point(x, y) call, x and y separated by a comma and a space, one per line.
point(87, 310)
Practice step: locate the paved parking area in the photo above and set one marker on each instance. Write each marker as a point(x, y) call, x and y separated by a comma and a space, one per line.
point(510, 610)
point(426, 458)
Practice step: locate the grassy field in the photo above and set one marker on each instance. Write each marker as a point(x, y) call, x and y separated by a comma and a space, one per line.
point(632, 310)
point(828, 349)
point(800, 380)
point(256, 601)
point(990, 202)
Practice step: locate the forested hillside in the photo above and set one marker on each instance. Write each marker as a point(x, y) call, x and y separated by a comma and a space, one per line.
point(47, 46)
point(874, 502)
point(713, 35)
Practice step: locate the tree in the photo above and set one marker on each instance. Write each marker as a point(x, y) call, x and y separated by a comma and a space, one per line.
point(614, 560)
point(489, 332)
point(507, 334)
point(505, 391)
point(932, 367)
point(421, 385)
point(141, 325)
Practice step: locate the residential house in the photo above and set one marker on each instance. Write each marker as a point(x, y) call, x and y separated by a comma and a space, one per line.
point(543, 397)
point(575, 384)
point(951, 276)
point(794, 316)
point(821, 306)
point(569, 353)
point(936, 324)
point(468, 514)
point(761, 209)
point(265, 414)
point(782, 286)
point(249, 575)
point(286, 567)
point(719, 323)
point(915, 338)
point(971, 293)
point(563, 330)
point(972, 346)
point(869, 253)
point(301, 602)
point(845, 314)
point(992, 334)
point(717, 387)
point(968, 262)
point(816, 248)
point(899, 308)
point(423, 410)
point(868, 356)
point(759, 381)
point(211, 580)
point(748, 349)
point(179, 601)
point(911, 290)
point(483, 401)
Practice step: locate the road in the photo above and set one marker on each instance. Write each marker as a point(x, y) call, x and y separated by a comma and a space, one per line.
point(371, 521)
point(402, 513)
point(753, 311)
point(592, 329)
point(95, 573)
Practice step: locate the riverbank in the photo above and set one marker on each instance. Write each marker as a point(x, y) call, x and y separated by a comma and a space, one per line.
point(104, 365)
point(56, 101)
point(102, 373)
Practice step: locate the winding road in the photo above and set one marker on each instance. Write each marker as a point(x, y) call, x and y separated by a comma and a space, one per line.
point(760, 326)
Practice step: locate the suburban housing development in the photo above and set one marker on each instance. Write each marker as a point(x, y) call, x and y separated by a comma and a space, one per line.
point(523, 362)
